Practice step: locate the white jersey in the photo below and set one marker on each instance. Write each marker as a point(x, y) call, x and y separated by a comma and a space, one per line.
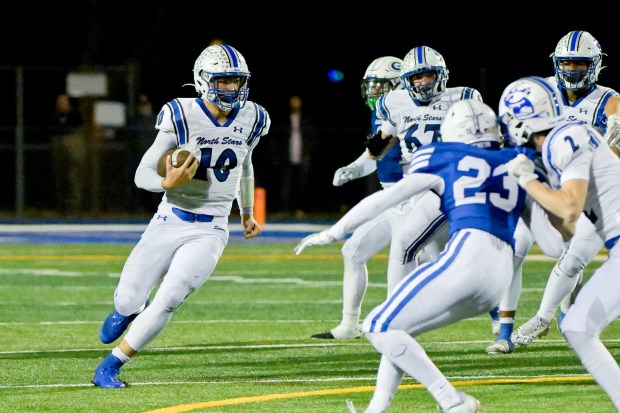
point(588, 108)
point(416, 123)
point(223, 151)
point(574, 150)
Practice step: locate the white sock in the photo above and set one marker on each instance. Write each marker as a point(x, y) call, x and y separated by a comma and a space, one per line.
point(559, 285)
point(445, 393)
point(354, 283)
point(124, 358)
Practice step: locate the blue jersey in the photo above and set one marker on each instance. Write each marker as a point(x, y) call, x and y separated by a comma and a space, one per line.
point(478, 191)
point(389, 167)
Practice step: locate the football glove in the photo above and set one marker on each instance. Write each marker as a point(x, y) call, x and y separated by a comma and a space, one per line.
point(318, 238)
point(346, 174)
point(376, 145)
point(613, 131)
point(522, 168)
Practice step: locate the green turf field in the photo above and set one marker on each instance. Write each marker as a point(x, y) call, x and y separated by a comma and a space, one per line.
point(241, 343)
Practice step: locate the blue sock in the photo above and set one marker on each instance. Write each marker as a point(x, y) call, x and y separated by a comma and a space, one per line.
point(505, 328)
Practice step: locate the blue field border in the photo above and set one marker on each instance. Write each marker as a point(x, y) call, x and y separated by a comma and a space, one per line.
point(130, 233)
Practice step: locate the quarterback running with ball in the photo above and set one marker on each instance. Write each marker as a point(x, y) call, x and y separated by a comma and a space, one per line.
point(187, 235)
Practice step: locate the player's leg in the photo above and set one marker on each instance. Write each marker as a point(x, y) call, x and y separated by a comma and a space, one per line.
point(596, 306)
point(365, 242)
point(421, 238)
point(389, 377)
point(562, 281)
point(467, 276)
point(400, 350)
point(509, 302)
point(146, 265)
point(194, 261)
point(420, 232)
point(587, 244)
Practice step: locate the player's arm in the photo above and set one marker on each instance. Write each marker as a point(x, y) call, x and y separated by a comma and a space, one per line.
point(612, 134)
point(362, 166)
point(565, 203)
point(146, 176)
point(379, 144)
point(245, 199)
point(371, 206)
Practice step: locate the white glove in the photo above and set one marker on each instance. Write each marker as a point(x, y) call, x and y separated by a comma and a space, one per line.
point(613, 130)
point(522, 168)
point(318, 238)
point(346, 174)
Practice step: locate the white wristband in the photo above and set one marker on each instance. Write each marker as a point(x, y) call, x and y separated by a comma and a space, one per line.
point(246, 195)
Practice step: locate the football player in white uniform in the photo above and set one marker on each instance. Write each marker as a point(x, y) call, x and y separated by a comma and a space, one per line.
point(577, 62)
point(483, 204)
point(381, 76)
point(584, 179)
point(412, 116)
point(187, 235)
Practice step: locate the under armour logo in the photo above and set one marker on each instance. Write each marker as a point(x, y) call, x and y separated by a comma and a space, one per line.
point(237, 129)
point(164, 217)
point(583, 111)
point(437, 106)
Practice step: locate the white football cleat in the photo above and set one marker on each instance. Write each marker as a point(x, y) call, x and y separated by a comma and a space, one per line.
point(470, 405)
point(534, 328)
point(500, 347)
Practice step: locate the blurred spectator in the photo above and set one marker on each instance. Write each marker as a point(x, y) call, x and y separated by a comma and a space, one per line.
point(296, 170)
point(141, 134)
point(69, 155)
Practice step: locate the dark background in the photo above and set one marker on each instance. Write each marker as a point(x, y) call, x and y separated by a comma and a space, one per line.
point(289, 50)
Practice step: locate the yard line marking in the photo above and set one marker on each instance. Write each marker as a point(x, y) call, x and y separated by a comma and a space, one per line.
point(226, 257)
point(460, 380)
point(350, 343)
point(361, 389)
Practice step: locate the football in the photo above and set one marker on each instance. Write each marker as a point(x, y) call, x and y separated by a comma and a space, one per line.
point(179, 156)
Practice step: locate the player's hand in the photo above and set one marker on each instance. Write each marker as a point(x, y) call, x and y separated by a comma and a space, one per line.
point(522, 168)
point(612, 136)
point(346, 174)
point(318, 238)
point(182, 175)
point(250, 227)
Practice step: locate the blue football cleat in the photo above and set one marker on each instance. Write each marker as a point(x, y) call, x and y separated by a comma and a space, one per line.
point(115, 325)
point(106, 375)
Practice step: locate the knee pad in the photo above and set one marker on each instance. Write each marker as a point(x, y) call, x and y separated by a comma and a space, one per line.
point(569, 265)
point(127, 304)
point(351, 251)
point(171, 296)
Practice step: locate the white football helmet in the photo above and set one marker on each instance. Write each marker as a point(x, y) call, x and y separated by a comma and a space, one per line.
point(419, 60)
point(381, 76)
point(577, 46)
point(473, 122)
point(527, 106)
point(217, 62)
